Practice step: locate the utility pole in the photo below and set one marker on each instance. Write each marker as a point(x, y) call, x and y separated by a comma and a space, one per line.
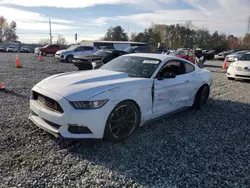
point(128, 34)
point(50, 36)
point(248, 26)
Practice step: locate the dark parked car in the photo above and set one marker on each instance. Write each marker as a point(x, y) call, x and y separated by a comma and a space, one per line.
point(95, 61)
point(2, 49)
point(208, 54)
point(137, 49)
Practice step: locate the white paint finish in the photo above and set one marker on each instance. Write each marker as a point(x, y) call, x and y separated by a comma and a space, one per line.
point(238, 68)
point(179, 92)
point(170, 95)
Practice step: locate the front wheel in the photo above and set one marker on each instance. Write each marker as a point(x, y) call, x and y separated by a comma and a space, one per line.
point(229, 78)
point(201, 97)
point(69, 58)
point(44, 53)
point(122, 122)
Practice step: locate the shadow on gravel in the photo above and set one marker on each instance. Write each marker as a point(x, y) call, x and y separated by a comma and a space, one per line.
point(207, 148)
point(212, 66)
point(13, 93)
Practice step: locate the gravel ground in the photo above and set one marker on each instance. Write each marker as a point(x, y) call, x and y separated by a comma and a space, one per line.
point(207, 148)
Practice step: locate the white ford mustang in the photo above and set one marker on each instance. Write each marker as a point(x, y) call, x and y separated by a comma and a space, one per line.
point(240, 69)
point(113, 101)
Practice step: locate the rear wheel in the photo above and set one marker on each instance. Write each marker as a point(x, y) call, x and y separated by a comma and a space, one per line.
point(201, 97)
point(122, 122)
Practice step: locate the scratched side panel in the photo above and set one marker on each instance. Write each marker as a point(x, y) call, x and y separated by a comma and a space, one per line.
point(140, 92)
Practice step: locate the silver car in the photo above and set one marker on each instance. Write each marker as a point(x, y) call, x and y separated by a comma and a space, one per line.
point(68, 54)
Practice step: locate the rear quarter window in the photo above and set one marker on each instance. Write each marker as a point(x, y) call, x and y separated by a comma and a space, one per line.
point(189, 68)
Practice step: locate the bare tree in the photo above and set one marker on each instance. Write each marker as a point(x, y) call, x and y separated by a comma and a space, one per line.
point(44, 41)
point(7, 31)
point(61, 40)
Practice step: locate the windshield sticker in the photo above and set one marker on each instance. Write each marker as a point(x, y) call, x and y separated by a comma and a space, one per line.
point(151, 61)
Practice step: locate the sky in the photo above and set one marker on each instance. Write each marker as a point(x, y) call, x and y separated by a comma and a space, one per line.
point(91, 18)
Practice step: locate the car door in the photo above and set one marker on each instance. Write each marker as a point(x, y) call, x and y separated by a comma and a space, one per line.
point(171, 94)
point(49, 49)
point(79, 51)
point(55, 49)
point(88, 50)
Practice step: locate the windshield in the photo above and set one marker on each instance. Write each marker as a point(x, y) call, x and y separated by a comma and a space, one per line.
point(129, 49)
point(142, 67)
point(102, 53)
point(240, 53)
point(181, 53)
point(72, 47)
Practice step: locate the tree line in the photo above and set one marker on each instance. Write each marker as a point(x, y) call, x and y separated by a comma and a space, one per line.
point(7, 30)
point(180, 35)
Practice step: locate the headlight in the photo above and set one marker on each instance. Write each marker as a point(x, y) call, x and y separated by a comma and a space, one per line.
point(88, 104)
point(231, 65)
point(94, 64)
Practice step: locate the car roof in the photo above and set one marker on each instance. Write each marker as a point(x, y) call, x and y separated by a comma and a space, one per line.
point(161, 57)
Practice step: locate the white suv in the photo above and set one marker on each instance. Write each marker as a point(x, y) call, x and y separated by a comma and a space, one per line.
point(68, 54)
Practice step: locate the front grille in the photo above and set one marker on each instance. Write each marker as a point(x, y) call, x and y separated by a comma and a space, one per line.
point(239, 69)
point(47, 102)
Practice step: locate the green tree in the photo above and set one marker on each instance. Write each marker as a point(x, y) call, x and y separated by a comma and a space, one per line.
point(116, 34)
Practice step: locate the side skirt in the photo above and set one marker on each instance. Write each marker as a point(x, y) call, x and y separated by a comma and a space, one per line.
point(164, 116)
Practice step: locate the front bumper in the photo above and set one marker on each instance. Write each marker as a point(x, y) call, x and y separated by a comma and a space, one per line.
point(233, 73)
point(89, 123)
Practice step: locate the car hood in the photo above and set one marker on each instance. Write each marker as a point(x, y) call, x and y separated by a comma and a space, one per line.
point(231, 56)
point(60, 51)
point(83, 85)
point(242, 64)
point(88, 58)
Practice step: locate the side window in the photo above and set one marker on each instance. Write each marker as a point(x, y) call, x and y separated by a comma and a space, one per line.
point(245, 57)
point(88, 48)
point(188, 68)
point(50, 47)
point(176, 67)
point(81, 48)
point(190, 53)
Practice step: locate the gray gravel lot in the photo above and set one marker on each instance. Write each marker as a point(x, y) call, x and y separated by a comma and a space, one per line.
point(207, 148)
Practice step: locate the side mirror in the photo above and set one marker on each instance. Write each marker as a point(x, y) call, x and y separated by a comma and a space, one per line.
point(236, 59)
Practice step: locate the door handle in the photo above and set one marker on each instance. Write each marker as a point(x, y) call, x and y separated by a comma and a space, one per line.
point(186, 81)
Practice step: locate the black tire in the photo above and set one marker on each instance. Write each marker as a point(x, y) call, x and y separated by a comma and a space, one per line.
point(122, 122)
point(85, 67)
point(229, 78)
point(44, 53)
point(69, 58)
point(201, 97)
